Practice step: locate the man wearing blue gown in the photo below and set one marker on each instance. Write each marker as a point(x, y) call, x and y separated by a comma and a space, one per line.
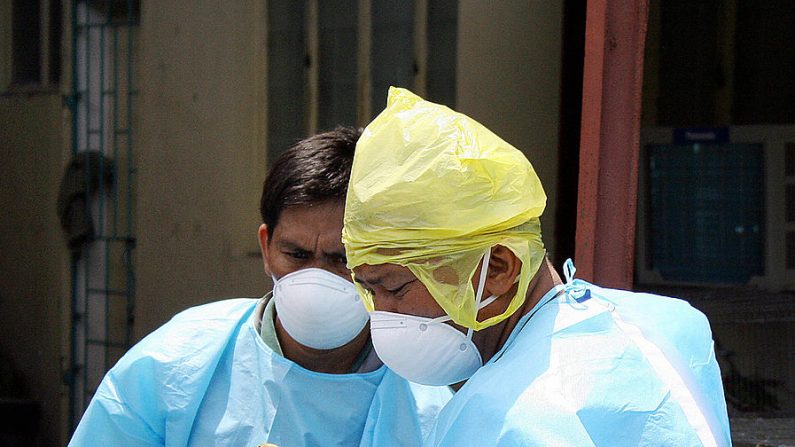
point(443, 236)
point(294, 368)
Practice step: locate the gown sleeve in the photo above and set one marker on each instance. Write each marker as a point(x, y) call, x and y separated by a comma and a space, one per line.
point(121, 415)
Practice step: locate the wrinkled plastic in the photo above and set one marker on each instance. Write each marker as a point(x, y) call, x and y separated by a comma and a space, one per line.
point(431, 189)
point(571, 374)
point(207, 378)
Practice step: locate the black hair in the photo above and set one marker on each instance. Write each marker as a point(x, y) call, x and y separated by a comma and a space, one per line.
point(313, 171)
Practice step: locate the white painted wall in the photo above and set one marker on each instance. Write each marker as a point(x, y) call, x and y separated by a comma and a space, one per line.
point(509, 59)
point(200, 154)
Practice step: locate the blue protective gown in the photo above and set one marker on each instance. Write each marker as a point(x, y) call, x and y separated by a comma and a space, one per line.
point(592, 366)
point(207, 378)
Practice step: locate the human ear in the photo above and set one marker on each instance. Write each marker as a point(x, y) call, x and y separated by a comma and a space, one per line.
point(262, 235)
point(504, 268)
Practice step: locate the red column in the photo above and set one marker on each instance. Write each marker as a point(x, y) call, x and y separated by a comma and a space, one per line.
point(615, 33)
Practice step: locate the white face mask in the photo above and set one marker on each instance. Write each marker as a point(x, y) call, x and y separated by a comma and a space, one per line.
point(426, 350)
point(318, 308)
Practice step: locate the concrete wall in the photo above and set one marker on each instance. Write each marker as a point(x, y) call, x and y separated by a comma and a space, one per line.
point(200, 147)
point(201, 138)
point(34, 268)
point(200, 144)
point(509, 56)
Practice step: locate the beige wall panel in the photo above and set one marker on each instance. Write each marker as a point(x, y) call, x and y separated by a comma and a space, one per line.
point(34, 279)
point(199, 146)
point(508, 75)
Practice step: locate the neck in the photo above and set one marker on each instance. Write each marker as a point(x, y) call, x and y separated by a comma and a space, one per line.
point(494, 338)
point(546, 279)
point(331, 361)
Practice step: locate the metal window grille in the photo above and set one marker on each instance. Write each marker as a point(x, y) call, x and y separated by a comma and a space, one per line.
point(102, 270)
point(694, 238)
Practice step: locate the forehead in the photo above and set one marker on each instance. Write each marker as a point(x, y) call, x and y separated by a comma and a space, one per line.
point(310, 223)
point(417, 301)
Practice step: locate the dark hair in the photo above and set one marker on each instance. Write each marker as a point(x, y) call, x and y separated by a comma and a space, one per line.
point(313, 171)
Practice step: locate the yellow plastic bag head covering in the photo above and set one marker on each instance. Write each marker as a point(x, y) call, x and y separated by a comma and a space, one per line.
point(432, 189)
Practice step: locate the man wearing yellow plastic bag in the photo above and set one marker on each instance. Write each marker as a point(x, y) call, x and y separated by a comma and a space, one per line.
point(293, 368)
point(442, 233)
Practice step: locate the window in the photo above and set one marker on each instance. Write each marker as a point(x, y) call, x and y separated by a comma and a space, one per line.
point(36, 31)
point(331, 63)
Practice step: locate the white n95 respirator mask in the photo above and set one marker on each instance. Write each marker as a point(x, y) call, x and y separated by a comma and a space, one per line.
point(426, 350)
point(318, 308)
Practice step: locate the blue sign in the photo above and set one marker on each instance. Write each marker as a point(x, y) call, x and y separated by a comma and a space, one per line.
point(690, 135)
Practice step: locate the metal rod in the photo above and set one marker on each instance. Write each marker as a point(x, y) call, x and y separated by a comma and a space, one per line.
point(46, 45)
point(363, 71)
point(115, 127)
point(76, 317)
point(130, 165)
point(130, 246)
point(72, 416)
point(108, 292)
point(421, 47)
point(101, 25)
point(86, 252)
point(115, 238)
point(313, 74)
point(102, 195)
point(105, 343)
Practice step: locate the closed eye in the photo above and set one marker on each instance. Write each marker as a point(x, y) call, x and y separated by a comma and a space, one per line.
point(394, 291)
point(339, 259)
point(297, 254)
point(399, 290)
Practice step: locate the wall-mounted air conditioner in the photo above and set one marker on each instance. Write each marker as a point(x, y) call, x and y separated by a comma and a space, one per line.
point(716, 206)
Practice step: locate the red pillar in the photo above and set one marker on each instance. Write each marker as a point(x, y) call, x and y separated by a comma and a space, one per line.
point(615, 33)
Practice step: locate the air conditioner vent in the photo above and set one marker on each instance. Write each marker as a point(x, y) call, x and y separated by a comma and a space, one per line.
point(716, 207)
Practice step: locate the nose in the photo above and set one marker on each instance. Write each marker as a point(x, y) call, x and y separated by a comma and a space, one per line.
point(316, 263)
point(329, 266)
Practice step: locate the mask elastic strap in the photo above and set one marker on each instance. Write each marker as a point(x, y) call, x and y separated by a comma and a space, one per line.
point(483, 304)
point(484, 269)
point(481, 285)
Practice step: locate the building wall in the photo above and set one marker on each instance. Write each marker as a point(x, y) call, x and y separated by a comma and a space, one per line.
point(199, 145)
point(200, 152)
point(702, 77)
point(34, 267)
point(509, 56)
point(201, 138)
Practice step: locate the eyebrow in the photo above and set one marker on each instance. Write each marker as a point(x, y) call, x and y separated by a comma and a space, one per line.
point(290, 244)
